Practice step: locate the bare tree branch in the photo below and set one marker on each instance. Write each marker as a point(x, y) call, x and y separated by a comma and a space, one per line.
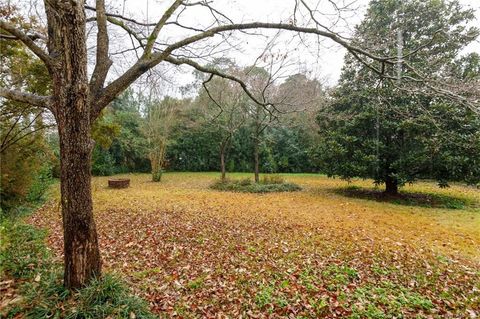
point(29, 98)
point(119, 16)
point(28, 41)
point(25, 131)
point(209, 70)
point(103, 62)
point(158, 27)
point(147, 62)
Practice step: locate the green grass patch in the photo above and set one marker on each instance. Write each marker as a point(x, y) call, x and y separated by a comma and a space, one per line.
point(432, 200)
point(268, 184)
point(387, 300)
point(39, 291)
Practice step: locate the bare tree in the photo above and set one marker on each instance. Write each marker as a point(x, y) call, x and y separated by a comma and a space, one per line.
point(160, 119)
point(76, 99)
point(225, 104)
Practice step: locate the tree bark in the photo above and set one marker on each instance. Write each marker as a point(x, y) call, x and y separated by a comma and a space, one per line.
point(391, 185)
point(155, 163)
point(223, 150)
point(81, 251)
point(71, 107)
point(222, 163)
point(256, 155)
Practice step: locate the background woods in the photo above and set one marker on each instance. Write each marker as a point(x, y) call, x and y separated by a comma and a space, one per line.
point(89, 89)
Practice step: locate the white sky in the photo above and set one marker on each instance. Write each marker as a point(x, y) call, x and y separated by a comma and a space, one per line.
point(324, 61)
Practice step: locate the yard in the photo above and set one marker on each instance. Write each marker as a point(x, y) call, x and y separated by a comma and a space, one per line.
point(191, 251)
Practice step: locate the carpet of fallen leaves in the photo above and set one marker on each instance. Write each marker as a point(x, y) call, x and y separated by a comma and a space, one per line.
point(193, 252)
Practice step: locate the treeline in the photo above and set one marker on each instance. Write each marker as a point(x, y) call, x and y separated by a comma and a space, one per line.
point(199, 130)
point(393, 131)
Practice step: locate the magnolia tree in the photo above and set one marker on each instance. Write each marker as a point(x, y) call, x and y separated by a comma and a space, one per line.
point(81, 86)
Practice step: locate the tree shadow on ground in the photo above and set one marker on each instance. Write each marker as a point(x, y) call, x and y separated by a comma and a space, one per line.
point(431, 200)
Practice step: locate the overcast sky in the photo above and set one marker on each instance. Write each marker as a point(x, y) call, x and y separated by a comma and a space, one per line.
point(323, 61)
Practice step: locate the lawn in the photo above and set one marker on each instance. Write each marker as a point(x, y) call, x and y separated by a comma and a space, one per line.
point(191, 251)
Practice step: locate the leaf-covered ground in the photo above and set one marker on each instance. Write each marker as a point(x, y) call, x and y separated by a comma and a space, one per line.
point(193, 252)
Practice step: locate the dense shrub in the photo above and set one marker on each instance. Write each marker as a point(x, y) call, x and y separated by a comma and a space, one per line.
point(24, 257)
point(41, 182)
point(268, 184)
point(28, 189)
point(22, 250)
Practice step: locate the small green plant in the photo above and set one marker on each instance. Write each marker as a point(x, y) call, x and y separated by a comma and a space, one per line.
point(22, 251)
point(308, 279)
point(272, 179)
point(387, 300)
point(107, 296)
point(24, 256)
point(41, 182)
point(319, 305)
point(264, 297)
point(339, 275)
point(196, 283)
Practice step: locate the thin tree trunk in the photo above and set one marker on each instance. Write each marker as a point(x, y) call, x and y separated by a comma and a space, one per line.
point(71, 105)
point(223, 149)
point(391, 185)
point(257, 161)
point(156, 165)
point(222, 163)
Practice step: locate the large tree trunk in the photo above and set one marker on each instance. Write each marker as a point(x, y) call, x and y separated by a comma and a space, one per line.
point(391, 185)
point(82, 256)
point(71, 104)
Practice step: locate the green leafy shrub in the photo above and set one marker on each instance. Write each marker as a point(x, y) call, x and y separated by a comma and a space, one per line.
point(266, 185)
point(272, 179)
point(22, 251)
point(41, 183)
point(24, 256)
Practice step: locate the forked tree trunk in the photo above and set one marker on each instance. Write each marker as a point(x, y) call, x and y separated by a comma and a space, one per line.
point(157, 159)
point(156, 165)
point(391, 185)
point(71, 104)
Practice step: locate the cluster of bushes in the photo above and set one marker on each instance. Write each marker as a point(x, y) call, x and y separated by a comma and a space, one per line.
point(267, 184)
point(17, 197)
point(39, 292)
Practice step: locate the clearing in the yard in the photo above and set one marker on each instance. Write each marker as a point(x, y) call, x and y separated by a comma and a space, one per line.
point(196, 252)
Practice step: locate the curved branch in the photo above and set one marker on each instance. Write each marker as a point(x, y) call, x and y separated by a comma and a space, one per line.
point(212, 71)
point(278, 26)
point(29, 98)
point(28, 41)
point(146, 62)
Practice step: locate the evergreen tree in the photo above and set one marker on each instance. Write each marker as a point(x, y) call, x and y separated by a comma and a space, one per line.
point(395, 133)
